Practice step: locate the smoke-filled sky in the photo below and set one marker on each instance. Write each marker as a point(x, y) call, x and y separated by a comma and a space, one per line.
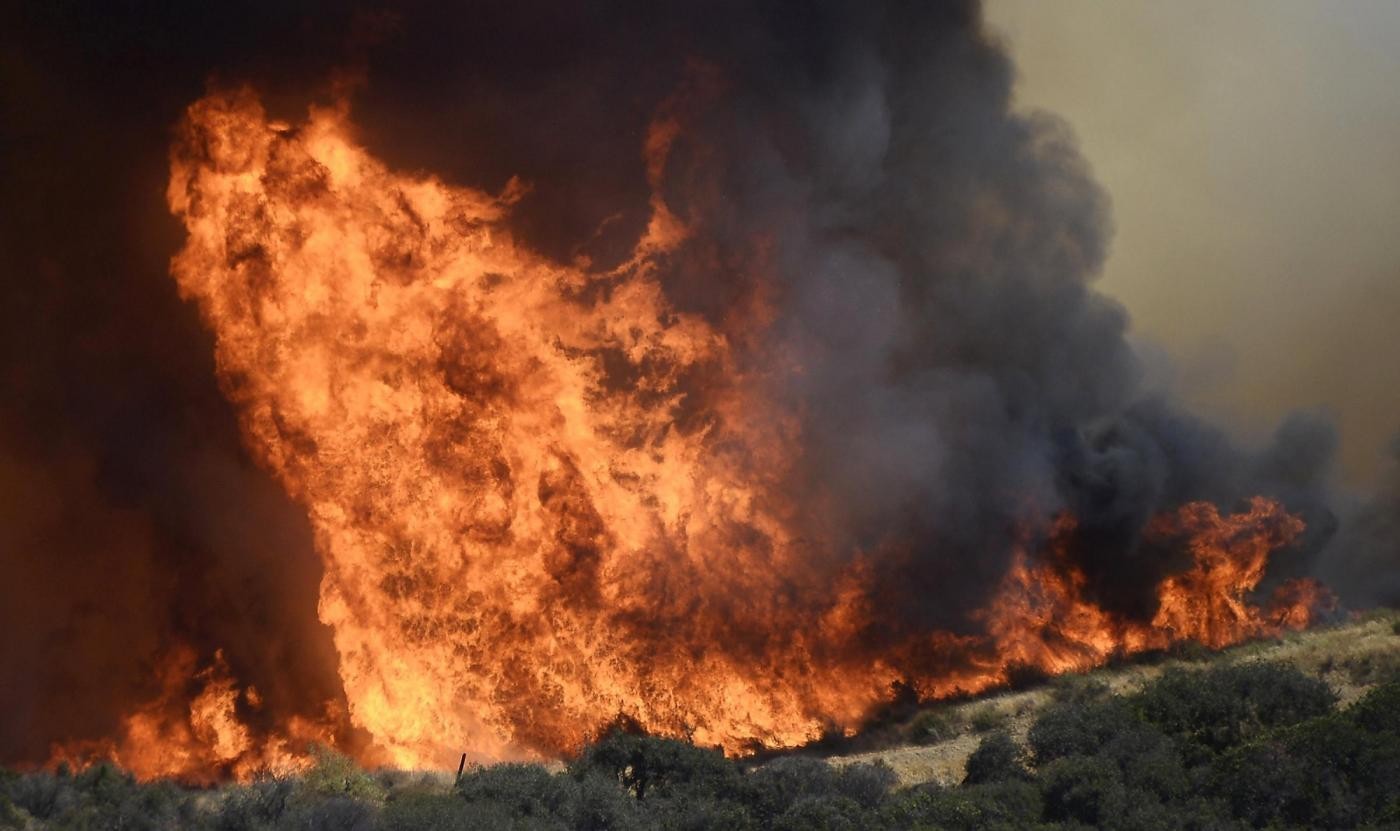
point(935, 257)
point(1252, 153)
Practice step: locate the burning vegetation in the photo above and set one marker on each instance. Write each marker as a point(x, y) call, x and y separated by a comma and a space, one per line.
point(546, 498)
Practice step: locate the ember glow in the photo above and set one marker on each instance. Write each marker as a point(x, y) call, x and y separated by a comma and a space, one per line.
point(545, 496)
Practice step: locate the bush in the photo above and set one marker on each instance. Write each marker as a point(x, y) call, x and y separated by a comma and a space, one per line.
point(988, 718)
point(1379, 710)
point(522, 791)
point(39, 794)
point(866, 784)
point(931, 727)
point(829, 812)
point(420, 811)
point(11, 816)
point(648, 767)
point(329, 813)
point(1221, 707)
point(1008, 805)
point(1329, 772)
point(691, 812)
point(253, 806)
point(1078, 689)
point(929, 805)
point(773, 788)
point(336, 775)
point(602, 806)
point(1083, 789)
point(101, 796)
point(996, 759)
point(1150, 764)
point(1074, 728)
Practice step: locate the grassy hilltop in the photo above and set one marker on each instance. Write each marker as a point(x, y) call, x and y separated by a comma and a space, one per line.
point(1301, 732)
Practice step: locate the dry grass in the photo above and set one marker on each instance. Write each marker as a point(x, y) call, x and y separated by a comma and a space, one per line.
point(1350, 657)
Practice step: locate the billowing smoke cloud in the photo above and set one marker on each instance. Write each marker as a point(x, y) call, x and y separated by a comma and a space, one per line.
point(930, 257)
point(853, 171)
point(1363, 560)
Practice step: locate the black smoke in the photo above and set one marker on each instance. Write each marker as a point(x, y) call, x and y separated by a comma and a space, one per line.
point(930, 255)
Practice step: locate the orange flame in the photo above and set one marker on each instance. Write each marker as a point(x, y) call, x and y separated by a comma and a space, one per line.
point(1041, 618)
point(192, 730)
point(518, 545)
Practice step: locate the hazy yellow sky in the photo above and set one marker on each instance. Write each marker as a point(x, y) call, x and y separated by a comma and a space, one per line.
point(1252, 152)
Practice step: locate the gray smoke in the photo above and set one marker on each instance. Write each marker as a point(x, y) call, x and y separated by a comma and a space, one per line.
point(933, 254)
point(1363, 561)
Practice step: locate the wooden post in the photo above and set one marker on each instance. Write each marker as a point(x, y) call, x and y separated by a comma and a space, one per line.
point(461, 766)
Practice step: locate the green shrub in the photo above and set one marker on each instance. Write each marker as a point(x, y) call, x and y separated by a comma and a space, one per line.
point(994, 805)
point(601, 805)
point(99, 797)
point(1078, 689)
point(40, 794)
point(932, 806)
point(1262, 782)
point(866, 784)
point(256, 805)
point(328, 812)
point(932, 727)
point(1074, 728)
point(648, 766)
point(1223, 706)
point(12, 816)
point(420, 811)
point(827, 812)
point(1151, 764)
point(336, 775)
point(773, 788)
point(521, 790)
point(1328, 772)
point(1379, 710)
point(987, 718)
point(694, 812)
point(1339, 770)
point(996, 759)
point(1085, 789)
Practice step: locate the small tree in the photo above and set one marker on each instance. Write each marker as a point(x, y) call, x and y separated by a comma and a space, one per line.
point(996, 759)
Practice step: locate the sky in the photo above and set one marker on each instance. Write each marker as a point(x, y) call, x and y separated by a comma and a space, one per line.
point(1251, 150)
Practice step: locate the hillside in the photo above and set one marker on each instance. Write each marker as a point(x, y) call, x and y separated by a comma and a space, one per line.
point(1300, 732)
point(934, 744)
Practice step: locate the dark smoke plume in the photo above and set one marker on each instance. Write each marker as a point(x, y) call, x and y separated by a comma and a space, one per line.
point(929, 255)
point(1363, 561)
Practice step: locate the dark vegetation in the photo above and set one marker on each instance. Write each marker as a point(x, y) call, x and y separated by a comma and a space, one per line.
point(1241, 745)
